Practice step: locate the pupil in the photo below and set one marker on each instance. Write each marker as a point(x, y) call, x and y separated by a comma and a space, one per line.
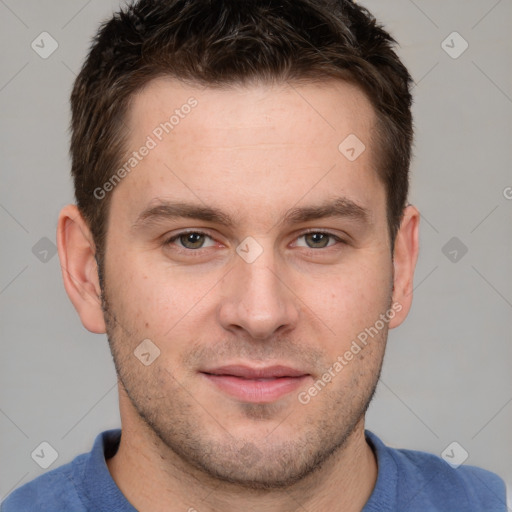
point(318, 239)
point(192, 240)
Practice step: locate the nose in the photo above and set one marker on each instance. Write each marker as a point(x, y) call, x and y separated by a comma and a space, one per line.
point(257, 299)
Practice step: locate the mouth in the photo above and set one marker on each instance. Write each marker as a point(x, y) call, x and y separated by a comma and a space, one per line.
point(256, 385)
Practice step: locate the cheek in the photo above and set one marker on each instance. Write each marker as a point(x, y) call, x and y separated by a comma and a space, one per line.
point(152, 307)
point(157, 302)
point(351, 301)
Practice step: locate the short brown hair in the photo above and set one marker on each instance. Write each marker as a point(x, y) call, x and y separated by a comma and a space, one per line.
point(224, 42)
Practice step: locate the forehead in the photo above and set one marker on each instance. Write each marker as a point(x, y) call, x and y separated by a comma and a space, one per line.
point(272, 143)
point(330, 108)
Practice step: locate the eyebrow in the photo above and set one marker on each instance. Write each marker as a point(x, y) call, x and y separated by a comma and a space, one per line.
point(168, 210)
point(339, 207)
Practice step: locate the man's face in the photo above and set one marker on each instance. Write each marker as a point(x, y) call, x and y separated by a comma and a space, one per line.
point(243, 334)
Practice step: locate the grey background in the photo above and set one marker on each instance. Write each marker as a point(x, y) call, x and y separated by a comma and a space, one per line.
point(447, 374)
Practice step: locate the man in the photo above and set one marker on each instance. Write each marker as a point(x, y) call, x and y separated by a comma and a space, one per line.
point(242, 235)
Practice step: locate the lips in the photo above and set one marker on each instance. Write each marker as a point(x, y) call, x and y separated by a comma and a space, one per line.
point(246, 372)
point(256, 385)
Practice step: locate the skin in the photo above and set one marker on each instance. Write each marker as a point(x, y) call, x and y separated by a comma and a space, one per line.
point(254, 153)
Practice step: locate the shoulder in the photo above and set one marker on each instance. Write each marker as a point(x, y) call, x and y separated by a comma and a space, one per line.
point(82, 484)
point(426, 482)
point(54, 490)
point(463, 488)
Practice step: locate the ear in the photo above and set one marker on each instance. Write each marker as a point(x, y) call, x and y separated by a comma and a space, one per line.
point(79, 269)
point(405, 255)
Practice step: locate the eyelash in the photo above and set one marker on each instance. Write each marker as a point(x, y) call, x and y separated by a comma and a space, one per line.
point(175, 237)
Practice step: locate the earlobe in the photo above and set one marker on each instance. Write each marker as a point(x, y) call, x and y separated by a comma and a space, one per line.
point(79, 268)
point(405, 255)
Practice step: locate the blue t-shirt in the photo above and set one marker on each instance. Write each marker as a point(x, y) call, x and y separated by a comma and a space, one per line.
point(407, 481)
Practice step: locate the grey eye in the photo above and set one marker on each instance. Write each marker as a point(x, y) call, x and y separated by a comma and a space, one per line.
point(316, 240)
point(192, 240)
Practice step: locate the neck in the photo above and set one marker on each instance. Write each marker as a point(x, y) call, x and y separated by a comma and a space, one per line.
point(153, 478)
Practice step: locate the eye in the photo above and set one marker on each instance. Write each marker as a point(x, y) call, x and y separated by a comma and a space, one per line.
point(191, 240)
point(317, 240)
